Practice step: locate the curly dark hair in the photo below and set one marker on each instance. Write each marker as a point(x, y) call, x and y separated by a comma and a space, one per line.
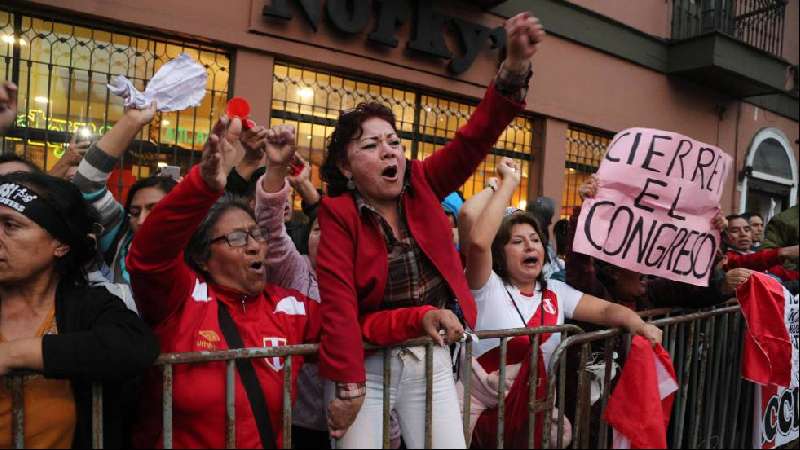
point(79, 218)
point(348, 127)
point(504, 236)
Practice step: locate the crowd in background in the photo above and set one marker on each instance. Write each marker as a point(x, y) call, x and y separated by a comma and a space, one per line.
point(93, 287)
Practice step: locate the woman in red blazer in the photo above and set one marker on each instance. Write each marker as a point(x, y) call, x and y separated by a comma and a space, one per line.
point(388, 270)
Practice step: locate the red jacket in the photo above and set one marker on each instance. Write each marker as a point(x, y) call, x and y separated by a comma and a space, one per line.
point(353, 259)
point(182, 309)
point(762, 261)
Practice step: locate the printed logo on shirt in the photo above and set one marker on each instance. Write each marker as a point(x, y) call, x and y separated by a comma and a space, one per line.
point(200, 293)
point(275, 363)
point(207, 340)
point(291, 307)
point(548, 306)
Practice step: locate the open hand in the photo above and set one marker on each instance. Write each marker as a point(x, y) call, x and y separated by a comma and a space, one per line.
point(223, 151)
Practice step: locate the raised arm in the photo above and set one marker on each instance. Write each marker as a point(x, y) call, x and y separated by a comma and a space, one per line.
point(160, 277)
point(448, 168)
point(96, 166)
point(484, 229)
point(471, 210)
point(286, 267)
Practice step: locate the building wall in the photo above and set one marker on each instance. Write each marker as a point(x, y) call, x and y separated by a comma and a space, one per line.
point(649, 16)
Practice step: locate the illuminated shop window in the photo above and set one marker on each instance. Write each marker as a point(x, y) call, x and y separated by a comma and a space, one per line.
point(585, 151)
point(62, 70)
point(312, 100)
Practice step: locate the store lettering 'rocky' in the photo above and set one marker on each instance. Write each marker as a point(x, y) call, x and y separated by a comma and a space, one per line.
point(428, 32)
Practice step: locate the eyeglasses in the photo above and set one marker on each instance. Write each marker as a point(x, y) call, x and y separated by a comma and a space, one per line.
point(238, 238)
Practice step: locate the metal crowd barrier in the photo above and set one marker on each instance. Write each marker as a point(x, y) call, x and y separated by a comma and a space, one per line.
point(713, 407)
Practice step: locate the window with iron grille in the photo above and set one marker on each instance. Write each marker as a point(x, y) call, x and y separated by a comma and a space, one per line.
point(62, 70)
point(585, 150)
point(311, 100)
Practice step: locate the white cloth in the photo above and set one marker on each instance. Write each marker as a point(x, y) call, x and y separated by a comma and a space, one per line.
point(407, 398)
point(178, 85)
point(497, 312)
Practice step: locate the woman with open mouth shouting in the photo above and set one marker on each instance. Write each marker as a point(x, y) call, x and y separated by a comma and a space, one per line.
point(214, 296)
point(386, 258)
point(505, 256)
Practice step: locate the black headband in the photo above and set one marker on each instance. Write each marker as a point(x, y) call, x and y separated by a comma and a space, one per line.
point(26, 202)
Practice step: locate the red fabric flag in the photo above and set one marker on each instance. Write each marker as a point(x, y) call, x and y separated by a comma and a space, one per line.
point(640, 407)
point(767, 352)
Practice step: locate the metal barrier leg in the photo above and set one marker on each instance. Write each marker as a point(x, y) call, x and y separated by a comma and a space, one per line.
point(705, 350)
point(688, 347)
point(562, 400)
point(167, 407)
point(533, 384)
point(230, 405)
point(429, 396)
point(608, 359)
point(466, 381)
point(17, 412)
point(585, 413)
point(287, 402)
point(97, 416)
point(501, 394)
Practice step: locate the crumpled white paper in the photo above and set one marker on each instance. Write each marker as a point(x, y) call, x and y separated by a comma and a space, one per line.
point(178, 85)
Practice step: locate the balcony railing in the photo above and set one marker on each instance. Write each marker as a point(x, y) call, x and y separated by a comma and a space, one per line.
point(759, 23)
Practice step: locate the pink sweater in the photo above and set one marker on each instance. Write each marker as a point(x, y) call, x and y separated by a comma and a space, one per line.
point(286, 267)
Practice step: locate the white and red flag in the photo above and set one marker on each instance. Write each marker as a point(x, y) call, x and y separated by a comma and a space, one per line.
point(770, 359)
point(640, 407)
point(770, 353)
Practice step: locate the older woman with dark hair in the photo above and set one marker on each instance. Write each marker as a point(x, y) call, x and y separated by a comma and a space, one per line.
point(386, 258)
point(52, 323)
point(214, 297)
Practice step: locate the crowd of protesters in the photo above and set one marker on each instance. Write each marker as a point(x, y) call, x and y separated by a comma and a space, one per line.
point(92, 288)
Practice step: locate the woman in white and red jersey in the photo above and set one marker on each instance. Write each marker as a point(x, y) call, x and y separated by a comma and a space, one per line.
point(504, 258)
point(215, 292)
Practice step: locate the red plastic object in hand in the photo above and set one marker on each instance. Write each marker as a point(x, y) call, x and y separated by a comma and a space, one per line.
point(296, 167)
point(239, 107)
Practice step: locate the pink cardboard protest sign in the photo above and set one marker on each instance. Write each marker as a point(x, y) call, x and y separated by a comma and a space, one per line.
point(658, 193)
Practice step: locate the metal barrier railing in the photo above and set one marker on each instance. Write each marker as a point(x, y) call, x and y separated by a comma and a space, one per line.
point(706, 351)
point(705, 347)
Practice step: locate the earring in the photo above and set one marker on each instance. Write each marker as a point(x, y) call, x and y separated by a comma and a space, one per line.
point(351, 185)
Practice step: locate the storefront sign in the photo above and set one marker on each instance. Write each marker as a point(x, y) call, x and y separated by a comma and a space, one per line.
point(429, 25)
point(658, 193)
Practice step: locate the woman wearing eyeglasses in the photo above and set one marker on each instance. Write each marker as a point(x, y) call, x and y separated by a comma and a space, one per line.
point(214, 297)
point(386, 259)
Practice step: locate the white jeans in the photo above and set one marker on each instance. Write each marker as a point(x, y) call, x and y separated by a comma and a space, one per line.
point(407, 398)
